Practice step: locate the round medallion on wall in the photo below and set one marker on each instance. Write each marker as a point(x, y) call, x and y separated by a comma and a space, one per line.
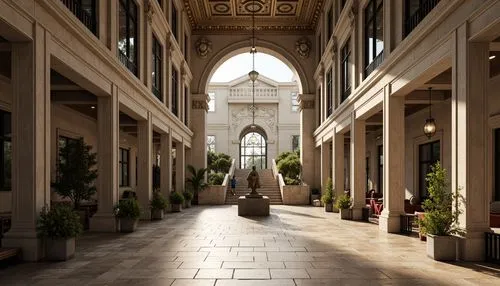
point(253, 7)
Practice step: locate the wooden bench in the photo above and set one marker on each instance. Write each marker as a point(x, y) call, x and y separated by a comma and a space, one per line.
point(6, 253)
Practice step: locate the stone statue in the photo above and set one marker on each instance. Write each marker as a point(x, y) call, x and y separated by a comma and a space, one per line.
point(253, 181)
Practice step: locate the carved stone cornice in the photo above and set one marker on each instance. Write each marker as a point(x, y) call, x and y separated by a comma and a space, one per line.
point(200, 101)
point(306, 101)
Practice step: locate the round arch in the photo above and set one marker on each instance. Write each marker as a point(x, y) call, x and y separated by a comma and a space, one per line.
point(253, 148)
point(256, 129)
point(244, 46)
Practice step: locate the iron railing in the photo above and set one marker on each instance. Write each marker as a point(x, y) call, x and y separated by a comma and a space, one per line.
point(492, 247)
point(131, 66)
point(413, 20)
point(88, 19)
point(374, 64)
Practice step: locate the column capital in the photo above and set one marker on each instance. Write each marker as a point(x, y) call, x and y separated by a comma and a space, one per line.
point(200, 101)
point(149, 11)
point(306, 101)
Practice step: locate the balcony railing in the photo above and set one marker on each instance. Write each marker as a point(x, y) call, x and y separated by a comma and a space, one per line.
point(157, 93)
point(260, 92)
point(131, 66)
point(413, 20)
point(345, 94)
point(492, 247)
point(88, 19)
point(374, 64)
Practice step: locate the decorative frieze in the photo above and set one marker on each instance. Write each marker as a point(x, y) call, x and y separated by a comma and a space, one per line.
point(200, 104)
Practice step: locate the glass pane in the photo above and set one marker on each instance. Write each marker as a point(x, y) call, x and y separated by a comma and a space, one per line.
point(435, 152)
point(379, 33)
point(425, 153)
point(7, 166)
point(122, 30)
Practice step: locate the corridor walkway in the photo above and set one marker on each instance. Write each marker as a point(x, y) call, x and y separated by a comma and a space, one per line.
point(213, 246)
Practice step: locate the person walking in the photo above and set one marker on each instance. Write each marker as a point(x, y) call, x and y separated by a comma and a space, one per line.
point(233, 185)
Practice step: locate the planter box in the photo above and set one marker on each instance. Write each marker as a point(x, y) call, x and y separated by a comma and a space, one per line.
point(176, 208)
point(128, 225)
point(157, 214)
point(345, 214)
point(213, 195)
point(295, 195)
point(187, 204)
point(442, 248)
point(329, 208)
point(60, 249)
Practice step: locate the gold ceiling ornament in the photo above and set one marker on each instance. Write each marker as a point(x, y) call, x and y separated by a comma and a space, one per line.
point(203, 47)
point(303, 47)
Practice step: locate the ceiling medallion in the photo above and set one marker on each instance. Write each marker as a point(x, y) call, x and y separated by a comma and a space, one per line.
point(303, 47)
point(222, 8)
point(203, 47)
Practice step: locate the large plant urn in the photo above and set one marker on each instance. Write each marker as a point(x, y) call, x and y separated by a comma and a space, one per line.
point(187, 204)
point(128, 224)
point(156, 214)
point(60, 249)
point(176, 208)
point(329, 207)
point(442, 248)
point(345, 214)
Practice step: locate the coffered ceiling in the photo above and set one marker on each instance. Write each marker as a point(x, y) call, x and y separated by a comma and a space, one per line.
point(234, 15)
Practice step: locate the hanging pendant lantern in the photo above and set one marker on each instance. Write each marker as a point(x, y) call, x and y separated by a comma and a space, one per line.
point(430, 123)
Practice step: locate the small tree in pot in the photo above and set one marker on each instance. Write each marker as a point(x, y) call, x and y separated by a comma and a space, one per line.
point(59, 226)
point(328, 196)
point(128, 212)
point(188, 196)
point(439, 219)
point(176, 200)
point(197, 180)
point(343, 203)
point(158, 204)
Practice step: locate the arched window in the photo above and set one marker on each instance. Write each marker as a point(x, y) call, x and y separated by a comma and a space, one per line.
point(253, 151)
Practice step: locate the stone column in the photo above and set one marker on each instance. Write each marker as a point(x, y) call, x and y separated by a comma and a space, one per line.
point(107, 162)
point(325, 164)
point(470, 75)
point(199, 108)
point(338, 164)
point(30, 142)
point(148, 44)
point(180, 166)
point(144, 164)
point(394, 161)
point(166, 164)
point(307, 126)
point(358, 166)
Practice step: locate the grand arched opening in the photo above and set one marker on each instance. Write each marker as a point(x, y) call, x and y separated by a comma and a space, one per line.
point(253, 149)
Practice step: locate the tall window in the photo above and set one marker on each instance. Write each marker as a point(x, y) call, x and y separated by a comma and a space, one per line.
point(329, 23)
point(380, 186)
point(123, 167)
point(211, 143)
point(428, 155)
point(174, 24)
point(63, 141)
point(211, 103)
point(415, 12)
point(374, 35)
point(156, 74)
point(85, 11)
point(186, 105)
point(253, 150)
point(295, 142)
point(346, 78)
point(295, 101)
point(329, 93)
point(6, 153)
point(496, 173)
point(175, 92)
point(128, 45)
point(186, 46)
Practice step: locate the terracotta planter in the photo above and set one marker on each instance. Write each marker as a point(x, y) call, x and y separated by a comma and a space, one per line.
point(176, 208)
point(156, 214)
point(442, 248)
point(345, 214)
point(60, 249)
point(128, 225)
point(329, 207)
point(187, 204)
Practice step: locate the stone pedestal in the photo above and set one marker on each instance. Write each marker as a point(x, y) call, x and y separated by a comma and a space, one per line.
point(253, 206)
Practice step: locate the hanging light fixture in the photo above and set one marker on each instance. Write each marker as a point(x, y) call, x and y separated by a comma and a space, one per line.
point(430, 123)
point(253, 74)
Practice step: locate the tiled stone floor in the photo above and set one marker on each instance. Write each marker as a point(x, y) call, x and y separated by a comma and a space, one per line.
point(213, 246)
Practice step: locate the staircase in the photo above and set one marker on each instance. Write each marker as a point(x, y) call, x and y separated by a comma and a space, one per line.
point(268, 187)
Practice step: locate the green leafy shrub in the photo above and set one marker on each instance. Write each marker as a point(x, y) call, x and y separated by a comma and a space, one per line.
point(288, 165)
point(343, 202)
point(128, 208)
point(176, 198)
point(197, 179)
point(439, 218)
point(158, 202)
point(187, 195)
point(216, 179)
point(218, 162)
point(328, 197)
point(290, 181)
point(61, 221)
point(76, 172)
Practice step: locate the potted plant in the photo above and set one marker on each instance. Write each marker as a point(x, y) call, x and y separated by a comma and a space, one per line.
point(437, 224)
point(197, 180)
point(128, 212)
point(188, 196)
point(176, 200)
point(158, 204)
point(76, 174)
point(59, 226)
point(327, 197)
point(343, 203)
